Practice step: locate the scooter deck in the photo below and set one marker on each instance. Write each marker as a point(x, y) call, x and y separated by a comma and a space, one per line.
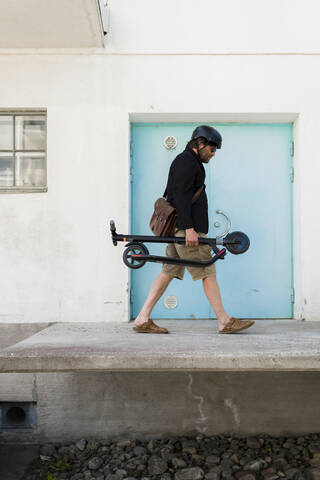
point(181, 261)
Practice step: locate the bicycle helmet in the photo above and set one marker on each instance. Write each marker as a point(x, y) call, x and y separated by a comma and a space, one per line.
point(209, 133)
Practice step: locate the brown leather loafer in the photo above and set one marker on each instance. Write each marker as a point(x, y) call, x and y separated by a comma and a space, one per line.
point(235, 325)
point(149, 327)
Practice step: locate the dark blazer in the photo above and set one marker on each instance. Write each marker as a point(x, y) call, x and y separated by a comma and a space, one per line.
point(186, 175)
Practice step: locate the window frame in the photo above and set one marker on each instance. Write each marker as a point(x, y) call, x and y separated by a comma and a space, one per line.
point(25, 112)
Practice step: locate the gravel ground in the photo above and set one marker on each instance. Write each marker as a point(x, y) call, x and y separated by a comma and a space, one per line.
point(181, 458)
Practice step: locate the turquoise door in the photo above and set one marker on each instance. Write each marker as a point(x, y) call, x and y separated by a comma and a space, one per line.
point(249, 179)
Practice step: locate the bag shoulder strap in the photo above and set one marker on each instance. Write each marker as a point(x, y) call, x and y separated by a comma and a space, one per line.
point(195, 196)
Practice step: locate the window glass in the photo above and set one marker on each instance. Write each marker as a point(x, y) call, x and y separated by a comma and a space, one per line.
point(6, 132)
point(30, 169)
point(30, 132)
point(6, 170)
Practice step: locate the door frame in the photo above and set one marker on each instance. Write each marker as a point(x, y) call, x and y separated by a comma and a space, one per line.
point(239, 117)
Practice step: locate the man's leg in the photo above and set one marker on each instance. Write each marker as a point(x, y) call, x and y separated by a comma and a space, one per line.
point(212, 292)
point(157, 288)
point(227, 324)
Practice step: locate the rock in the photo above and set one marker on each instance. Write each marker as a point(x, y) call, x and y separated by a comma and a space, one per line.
point(253, 442)
point(300, 476)
point(269, 474)
point(74, 453)
point(212, 460)
point(236, 468)
point(190, 447)
point(245, 475)
point(314, 448)
point(227, 473)
point(167, 456)
point(138, 451)
point(226, 464)
point(156, 465)
point(193, 473)
point(287, 444)
point(255, 465)
point(47, 450)
point(95, 462)
point(121, 473)
point(152, 445)
point(291, 473)
point(197, 459)
point(280, 463)
point(44, 458)
point(212, 476)
point(178, 462)
point(166, 476)
point(63, 450)
point(77, 476)
point(141, 468)
point(81, 444)
point(124, 443)
point(313, 473)
point(235, 458)
point(301, 441)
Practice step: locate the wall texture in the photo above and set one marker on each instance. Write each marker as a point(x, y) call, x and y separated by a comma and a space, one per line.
point(181, 60)
point(102, 405)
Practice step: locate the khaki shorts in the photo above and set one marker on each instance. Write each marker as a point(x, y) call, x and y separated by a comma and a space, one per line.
point(200, 252)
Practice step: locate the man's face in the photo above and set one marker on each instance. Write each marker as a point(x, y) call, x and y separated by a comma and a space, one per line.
point(206, 152)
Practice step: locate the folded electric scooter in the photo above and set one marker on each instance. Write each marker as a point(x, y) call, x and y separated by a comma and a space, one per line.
point(136, 253)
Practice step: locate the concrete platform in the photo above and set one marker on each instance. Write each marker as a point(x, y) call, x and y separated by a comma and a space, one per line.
point(192, 345)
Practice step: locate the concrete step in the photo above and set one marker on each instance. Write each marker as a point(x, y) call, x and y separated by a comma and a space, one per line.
point(191, 345)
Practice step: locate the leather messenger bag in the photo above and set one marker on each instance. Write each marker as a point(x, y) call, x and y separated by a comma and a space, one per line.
point(164, 218)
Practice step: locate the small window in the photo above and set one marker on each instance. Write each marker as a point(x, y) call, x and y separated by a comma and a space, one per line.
point(23, 152)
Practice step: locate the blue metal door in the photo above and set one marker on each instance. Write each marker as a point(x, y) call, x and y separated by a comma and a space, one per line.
point(250, 180)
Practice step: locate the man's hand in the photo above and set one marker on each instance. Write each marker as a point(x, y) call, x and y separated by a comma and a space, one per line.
point(191, 237)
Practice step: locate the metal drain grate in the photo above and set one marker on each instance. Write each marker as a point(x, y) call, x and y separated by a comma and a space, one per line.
point(17, 415)
point(171, 301)
point(170, 142)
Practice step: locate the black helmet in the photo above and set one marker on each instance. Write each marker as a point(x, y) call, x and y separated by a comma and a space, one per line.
point(210, 134)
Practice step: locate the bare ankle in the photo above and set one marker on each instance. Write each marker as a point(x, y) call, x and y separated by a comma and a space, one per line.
point(140, 320)
point(223, 320)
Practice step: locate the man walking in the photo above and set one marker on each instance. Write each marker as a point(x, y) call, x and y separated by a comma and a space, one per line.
point(184, 192)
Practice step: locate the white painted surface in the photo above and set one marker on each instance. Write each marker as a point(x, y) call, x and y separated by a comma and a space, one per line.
point(50, 23)
point(56, 256)
point(214, 26)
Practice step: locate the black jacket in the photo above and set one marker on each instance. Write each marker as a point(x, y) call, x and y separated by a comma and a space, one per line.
point(186, 175)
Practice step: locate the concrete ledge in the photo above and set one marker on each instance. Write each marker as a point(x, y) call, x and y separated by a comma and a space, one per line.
point(11, 333)
point(192, 345)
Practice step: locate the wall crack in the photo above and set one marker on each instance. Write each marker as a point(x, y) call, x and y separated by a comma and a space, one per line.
point(200, 401)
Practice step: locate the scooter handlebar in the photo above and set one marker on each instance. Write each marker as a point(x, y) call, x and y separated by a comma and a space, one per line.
point(113, 232)
point(112, 226)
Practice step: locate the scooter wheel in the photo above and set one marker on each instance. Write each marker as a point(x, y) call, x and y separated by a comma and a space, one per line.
point(237, 242)
point(129, 255)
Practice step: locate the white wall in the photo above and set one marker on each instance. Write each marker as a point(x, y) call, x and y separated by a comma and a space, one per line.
point(56, 256)
point(214, 26)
